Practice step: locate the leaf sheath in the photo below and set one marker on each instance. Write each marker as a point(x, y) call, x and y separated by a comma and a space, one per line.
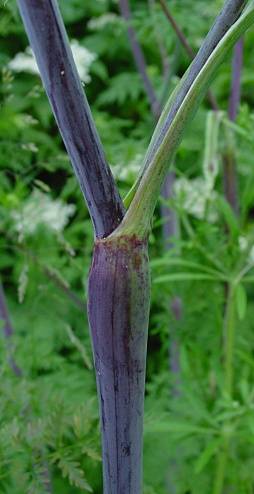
point(118, 308)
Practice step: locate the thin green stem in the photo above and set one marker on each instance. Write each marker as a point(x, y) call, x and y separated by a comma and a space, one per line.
point(221, 468)
point(229, 341)
point(138, 217)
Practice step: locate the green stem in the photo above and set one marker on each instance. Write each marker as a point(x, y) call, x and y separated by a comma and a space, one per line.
point(229, 336)
point(221, 468)
point(139, 215)
point(229, 341)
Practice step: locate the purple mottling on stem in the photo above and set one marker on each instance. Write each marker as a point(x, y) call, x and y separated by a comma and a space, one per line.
point(48, 39)
point(8, 332)
point(118, 310)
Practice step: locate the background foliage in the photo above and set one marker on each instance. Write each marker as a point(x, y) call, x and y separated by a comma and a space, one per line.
point(49, 436)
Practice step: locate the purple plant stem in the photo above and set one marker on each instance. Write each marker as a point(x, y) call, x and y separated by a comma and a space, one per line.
point(48, 39)
point(8, 332)
point(177, 29)
point(230, 176)
point(118, 307)
point(168, 216)
point(170, 229)
point(139, 58)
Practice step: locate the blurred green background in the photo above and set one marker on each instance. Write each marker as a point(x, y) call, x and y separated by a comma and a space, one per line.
point(49, 432)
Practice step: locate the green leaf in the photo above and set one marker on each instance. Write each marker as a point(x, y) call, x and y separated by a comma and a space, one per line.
point(210, 450)
point(170, 261)
point(178, 428)
point(241, 301)
point(71, 469)
point(228, 216)
point(184, 277)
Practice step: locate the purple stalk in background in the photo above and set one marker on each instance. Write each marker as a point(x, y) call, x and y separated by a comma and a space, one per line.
point(139, 58)
point(8, 332)
point(177, 29)
point(235, 96)
point(164, 55)
point(170, 228)
point(230, 175)
point(183, 40)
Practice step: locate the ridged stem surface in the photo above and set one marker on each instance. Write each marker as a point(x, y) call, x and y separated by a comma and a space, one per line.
point(118, 307)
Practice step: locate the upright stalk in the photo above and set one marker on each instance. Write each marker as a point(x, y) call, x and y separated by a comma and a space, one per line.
point(8, 332)
point(139, 58)
point(230, 189)
point(118, 309)
point(229, 341)
point(229, 161)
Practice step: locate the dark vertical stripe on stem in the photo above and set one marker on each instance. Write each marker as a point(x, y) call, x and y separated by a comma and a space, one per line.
point(49, 42)
point(119, 293)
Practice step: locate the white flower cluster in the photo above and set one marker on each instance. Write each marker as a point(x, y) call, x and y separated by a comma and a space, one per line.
point(243, 246)
point(25, 61)
point(98, 23)
point(243, 243)
point(194, 196)
point(128, 171)
point(197, 196)
point(41, 209)
point(83, 59)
